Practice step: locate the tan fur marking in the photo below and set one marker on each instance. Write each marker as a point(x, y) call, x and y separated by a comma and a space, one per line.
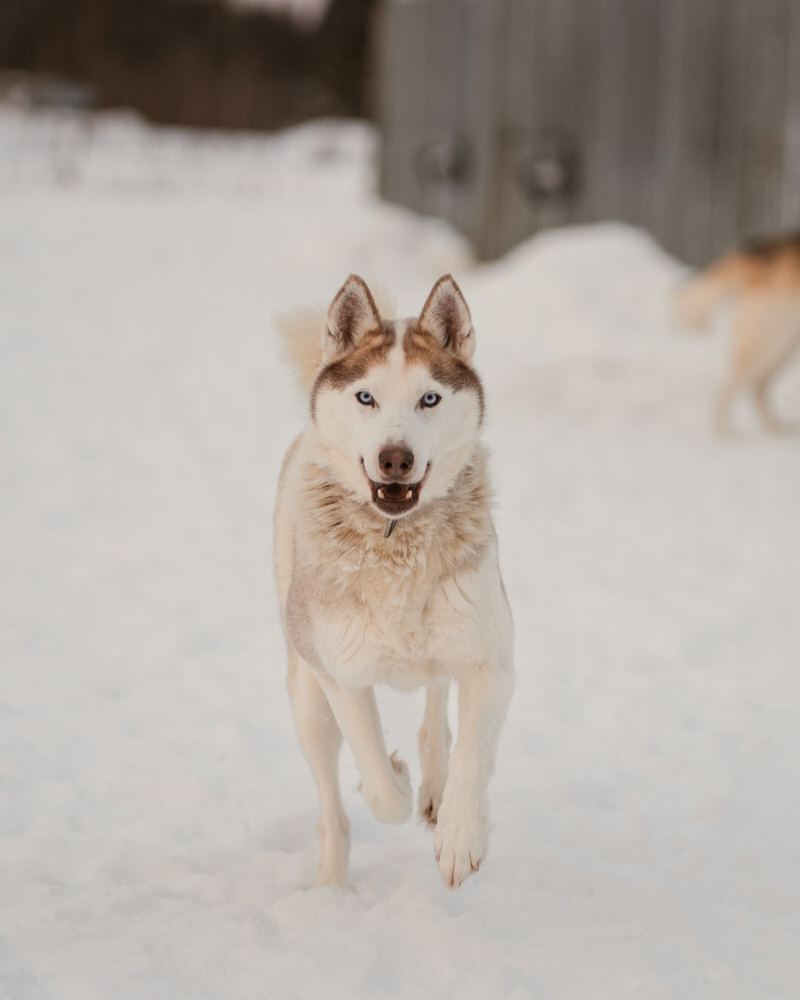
point(371, 350)
point(771, 267)
point(301, 333)
point(422, 348)
point(763, 267)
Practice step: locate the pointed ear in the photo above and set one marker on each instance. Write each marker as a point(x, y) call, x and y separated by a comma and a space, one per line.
point(352, 314)
point(446, 316)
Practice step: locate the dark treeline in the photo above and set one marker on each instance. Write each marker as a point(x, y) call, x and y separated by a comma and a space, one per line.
point(195, 62)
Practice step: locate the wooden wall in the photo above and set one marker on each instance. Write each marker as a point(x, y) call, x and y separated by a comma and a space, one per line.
point(507, 116)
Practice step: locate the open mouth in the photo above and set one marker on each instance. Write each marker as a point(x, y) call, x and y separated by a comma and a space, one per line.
point(396, 499)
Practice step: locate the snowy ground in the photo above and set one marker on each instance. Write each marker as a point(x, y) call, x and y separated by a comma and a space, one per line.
point(157, 831)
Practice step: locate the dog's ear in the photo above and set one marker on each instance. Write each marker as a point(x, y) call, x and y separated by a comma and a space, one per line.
point(446, 316)
point(352, 314)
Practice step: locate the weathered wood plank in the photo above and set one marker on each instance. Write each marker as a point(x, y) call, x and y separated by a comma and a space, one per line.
point(767, 24)
point(688, 126)
point(789, 210)
point(400, 99)
point(636, 153)
point(685, 114)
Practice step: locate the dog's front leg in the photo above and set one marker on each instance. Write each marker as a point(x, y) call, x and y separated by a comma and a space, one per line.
point(320, 739)
point(385, 780)
point(434, 749)
point(462, 831)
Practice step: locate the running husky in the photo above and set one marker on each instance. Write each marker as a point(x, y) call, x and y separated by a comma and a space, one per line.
point(763, 280)
point(387, 570)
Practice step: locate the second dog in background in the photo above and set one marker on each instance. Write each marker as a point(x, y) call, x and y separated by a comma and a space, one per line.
point(762, 280)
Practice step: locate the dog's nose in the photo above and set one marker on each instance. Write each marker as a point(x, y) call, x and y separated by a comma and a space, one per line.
point(396, 462)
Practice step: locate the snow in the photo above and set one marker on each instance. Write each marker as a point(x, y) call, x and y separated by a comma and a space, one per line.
point(157, 835)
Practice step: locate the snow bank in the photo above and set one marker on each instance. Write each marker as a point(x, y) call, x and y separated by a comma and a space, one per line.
point(158, 829)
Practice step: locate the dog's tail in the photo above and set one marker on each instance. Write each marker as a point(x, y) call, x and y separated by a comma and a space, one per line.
point(697, 299)
point(301, 333)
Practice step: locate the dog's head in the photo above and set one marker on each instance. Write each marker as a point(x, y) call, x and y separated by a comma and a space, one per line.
point(396, 403)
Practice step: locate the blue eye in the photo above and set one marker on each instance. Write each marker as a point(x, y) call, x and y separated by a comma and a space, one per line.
point(430, 399)
point(365, 398)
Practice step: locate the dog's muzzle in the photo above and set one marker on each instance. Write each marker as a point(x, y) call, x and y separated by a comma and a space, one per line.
point(394, 499)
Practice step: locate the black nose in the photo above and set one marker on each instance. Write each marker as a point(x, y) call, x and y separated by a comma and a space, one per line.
point(396, 462)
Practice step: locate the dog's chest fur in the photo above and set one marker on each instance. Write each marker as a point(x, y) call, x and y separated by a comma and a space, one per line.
point(396, 610)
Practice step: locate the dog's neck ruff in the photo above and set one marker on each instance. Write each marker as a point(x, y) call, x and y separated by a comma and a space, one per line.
point(446, 535)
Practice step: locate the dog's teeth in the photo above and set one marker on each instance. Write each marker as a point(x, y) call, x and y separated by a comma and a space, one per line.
point(409, 495)
point(381, 494)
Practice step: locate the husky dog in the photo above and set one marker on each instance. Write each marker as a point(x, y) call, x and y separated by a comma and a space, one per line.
point(762, 278)
point(387, 570)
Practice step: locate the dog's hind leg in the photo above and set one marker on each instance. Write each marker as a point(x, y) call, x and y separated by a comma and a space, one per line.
point(320, 738)
point(782, 345)
point(748, 320)
point(769, 419)
point(767, 333)
point(434, 750)
point(385, 780)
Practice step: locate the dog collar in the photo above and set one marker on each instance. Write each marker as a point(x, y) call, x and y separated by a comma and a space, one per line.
point(389, 528)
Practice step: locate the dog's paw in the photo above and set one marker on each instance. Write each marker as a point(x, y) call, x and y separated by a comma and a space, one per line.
point(393, 802)
point(429, 800)
point(461, 841)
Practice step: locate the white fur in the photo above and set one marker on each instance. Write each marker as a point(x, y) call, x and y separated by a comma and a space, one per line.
point(420, 608)
point(346, 429)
